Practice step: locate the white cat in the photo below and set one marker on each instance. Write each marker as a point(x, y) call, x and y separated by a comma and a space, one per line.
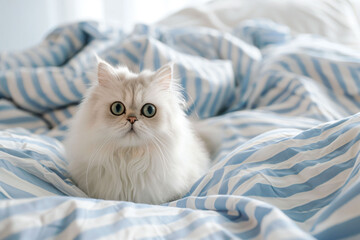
point(130, 139)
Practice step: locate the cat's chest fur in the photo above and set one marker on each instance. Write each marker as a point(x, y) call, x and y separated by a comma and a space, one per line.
point(133, 174)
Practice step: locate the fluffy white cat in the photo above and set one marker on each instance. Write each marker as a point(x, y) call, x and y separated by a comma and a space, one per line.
point(131, 140)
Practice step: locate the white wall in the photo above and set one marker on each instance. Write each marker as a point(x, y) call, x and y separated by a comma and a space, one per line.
point(23, 23)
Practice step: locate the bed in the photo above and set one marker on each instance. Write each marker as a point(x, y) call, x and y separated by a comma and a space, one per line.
point(286, 103)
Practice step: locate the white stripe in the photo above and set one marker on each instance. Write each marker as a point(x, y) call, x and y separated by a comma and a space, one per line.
point(34, 57)
point(341, 215)
point(302, 198)
point(40, 218)
point(62, 84)
point(2, 190)
point(14, 181)
point(45, 85)
point(14, 91)
point(133, 213)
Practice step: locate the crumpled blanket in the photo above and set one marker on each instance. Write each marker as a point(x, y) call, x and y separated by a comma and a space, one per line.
point(288, 162)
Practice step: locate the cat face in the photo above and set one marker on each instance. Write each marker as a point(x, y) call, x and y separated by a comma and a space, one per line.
point(133, 109)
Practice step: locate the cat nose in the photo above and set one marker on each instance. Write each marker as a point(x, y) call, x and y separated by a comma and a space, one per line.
point(132, 119)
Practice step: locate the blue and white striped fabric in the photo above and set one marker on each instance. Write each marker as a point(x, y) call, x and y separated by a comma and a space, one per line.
point(287, 109)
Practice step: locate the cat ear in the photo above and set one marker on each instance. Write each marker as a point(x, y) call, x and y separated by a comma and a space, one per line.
point(105, 72)
point(165, 75)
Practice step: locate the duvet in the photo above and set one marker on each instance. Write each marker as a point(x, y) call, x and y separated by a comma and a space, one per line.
point(287, 163)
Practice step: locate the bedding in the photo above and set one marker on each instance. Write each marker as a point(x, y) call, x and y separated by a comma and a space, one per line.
point(336, 20)
point(285, 110)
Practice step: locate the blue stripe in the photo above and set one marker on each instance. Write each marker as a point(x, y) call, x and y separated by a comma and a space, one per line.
point(72, 87)
point(69, 44)
point(206, 98)
point(355, 77)
point(86, 80)
point(260, 213)
point(301, 65)
point(194, 105)
point(271, 82)
point(219, 41)
point(246, 79)
point(37, 54)
point(229, 95)
point(25, 95)
point(229, 52)
point(29, 60)
point(291, 93)
point(181, 203)
point(40, 91)
point(27, 177)
point(339, 77)
point(7, 107)
point(19, 62)
point(54, 118)
point(136, 44)
point(7, 65)
point(65, 52)
point(343, 230)
point(131, 56)
point(63, 128)
point(217, 175)
point(238, 70)
point(315, 132)
point(14, 192)
point(295, 106)
point(43, 59)
point(20, 120)
point(56, 88)
point(67, 114)
point(146, 44)
point(218, 101)
point(156, 60)
point(4, 85)
point(3, 196)
point(285, 66)
point(183, 77)
point(282, 93)
point(54, 56)
point(319, 70)
point(190, 44)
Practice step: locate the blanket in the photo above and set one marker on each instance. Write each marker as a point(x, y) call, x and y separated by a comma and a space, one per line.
point(287, 165)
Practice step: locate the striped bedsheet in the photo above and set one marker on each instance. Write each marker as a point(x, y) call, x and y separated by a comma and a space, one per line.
point(287, 108)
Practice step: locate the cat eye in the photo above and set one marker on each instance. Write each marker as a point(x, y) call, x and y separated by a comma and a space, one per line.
point(148, 110)
point(117, 108)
